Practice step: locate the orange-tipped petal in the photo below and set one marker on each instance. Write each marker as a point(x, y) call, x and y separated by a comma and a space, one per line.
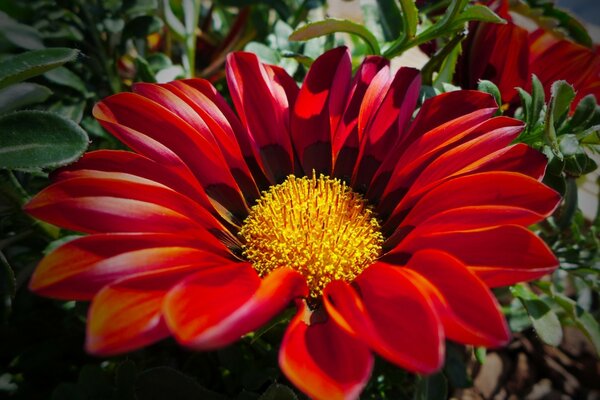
point(81, 267)
point(468, 309)
point(127, 314)
point(500, 255)
point(214, 308)
point(392, 315)
point(322, 360)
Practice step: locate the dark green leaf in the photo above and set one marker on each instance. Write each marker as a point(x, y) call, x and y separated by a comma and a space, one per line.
point(390, 18)
point(584, 112)
point(432, 387)
point(21, 95)
point(72, 111)
point(32, 63)
point(64, 77)
point(544, 320)
point(68, 391)
point(331, 25)
point(37, 139)
point(167, 383)
point(278, 391)
point(19, 35)
point(143, 26)
point(455, 367)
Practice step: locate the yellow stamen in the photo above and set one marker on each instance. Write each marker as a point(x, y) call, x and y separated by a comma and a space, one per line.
point(317, 226)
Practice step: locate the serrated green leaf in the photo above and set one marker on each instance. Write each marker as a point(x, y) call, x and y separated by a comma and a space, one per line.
point(64, 77)
point(583, 112)
point(562, 94)
point(32, 63)
point(491, 88)
point(21, 95)
point(331, 25)
point(544, 320)
point(39, 139)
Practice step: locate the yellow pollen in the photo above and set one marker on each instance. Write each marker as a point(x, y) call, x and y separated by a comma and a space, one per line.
point(317, 226)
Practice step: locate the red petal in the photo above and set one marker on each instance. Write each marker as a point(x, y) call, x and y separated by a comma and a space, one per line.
point(81, 267)
point(470, 312)
point(214, 308)
point(384, 122)
point(501, 255)
point(322, 360)
point(346, 139)
point(180, 180)
point(115, 202)
point(151, 129)
point(427, 148)
point(184, 101)
point(319, 108)
point(488, 188)
point(219, 116)
point(409, 157)
point(127, 314)
point(263, 106)
point(391, 315)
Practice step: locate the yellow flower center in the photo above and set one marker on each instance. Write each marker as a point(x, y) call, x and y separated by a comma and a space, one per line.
point(317, 226)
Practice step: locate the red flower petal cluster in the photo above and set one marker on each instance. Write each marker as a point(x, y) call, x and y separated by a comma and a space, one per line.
point(451, 196)
point(507, 54)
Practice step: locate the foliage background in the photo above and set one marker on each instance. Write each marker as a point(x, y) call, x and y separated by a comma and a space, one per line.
point(57, 58)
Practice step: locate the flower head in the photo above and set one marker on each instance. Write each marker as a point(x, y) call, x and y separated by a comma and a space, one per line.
point(385, 230)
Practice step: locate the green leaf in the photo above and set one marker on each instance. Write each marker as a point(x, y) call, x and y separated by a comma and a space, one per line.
point(19, 35)
point(584, 112)
point(173, 22)
point(544, 320)
point(480, 353)
point(135, 7)
point(560, 101)
point(410, 19)
point(167, 383)
point(64, 77)
point(538, 100)
point(32, 63)
point(38, 139)
point(21, 95)
point(331, 25)
point(455, 367)
point(583, 319)
point(491, 88)
point(94, 382)
point(278, 391)
point(478, 12)
point(432, 387)
point(390, 18)
point(125, 380)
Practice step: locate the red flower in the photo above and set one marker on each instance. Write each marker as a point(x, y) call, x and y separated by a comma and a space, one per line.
point(508, 54)
point(387, 232)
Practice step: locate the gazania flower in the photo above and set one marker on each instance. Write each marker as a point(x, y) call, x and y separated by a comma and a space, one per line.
point(508, 54)
point(385, 231)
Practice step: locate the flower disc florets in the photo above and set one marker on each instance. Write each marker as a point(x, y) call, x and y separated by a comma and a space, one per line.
point(317, 226)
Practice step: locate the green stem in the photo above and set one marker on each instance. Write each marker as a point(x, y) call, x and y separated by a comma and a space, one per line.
point(438, 58)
